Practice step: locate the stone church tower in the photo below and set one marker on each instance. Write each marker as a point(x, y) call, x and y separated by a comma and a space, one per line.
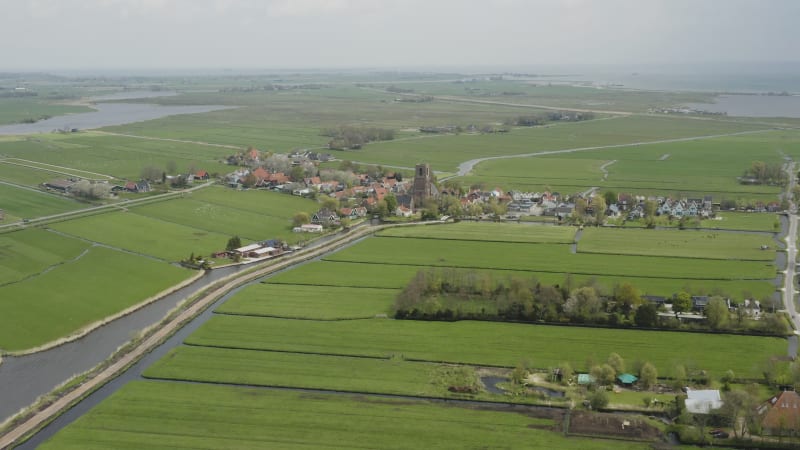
point(423, 185)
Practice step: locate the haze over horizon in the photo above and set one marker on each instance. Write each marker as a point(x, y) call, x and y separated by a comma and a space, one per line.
point(182, 34)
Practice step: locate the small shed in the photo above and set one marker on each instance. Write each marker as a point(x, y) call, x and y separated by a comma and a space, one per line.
point(627, 379)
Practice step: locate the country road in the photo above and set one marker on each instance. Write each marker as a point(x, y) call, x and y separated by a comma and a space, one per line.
point(791, 250)
point(466, 167)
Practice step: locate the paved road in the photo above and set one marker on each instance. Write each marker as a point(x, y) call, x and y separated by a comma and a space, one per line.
point(791, 250)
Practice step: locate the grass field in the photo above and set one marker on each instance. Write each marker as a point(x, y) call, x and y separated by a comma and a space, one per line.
point(330, 273)
point(742, 221)
point(15, 110)
point(140, 234)
point(213, 417)
point(477, 231)
point(29, 252)
point(59, 302)
point(309, 302)
point(678, 243)
point(489, 343)
point(544, 258)
point(24, 203)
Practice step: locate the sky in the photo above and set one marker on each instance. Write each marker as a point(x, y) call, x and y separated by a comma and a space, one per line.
point(297, 34)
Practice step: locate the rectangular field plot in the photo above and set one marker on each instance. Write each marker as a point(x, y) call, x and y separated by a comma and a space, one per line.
point(729, 220)
point(213, 417)
point(545, 258)
point(263, 202)
point(26, 203)
point(28, 252)
point(488, 343)
point(331, 273)
point(73, 295)
point(148, 236)
point(679, 243)
point(477, 231)
point(309, 302)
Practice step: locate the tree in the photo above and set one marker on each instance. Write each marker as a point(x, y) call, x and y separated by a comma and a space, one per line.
point(519, 374)
point(598, 399)
point(330, 203)
point(735, 405)
point(300, 218)
point(345, 223)
point(233, 243)
point(600, 206)
point(566, 371)
point(172, 167)
point(151, 173)
point(717, 313)
point(646, 316)
point(583, 304)
point(681, 303)
point(603, 374)
point(616, 361)
point(627, 297)
point(610, 197)
point(648, 375)
point(391, 202)
point(297, 173)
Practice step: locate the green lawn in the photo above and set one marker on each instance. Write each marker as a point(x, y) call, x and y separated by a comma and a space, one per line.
point(742, 221)
point(98, 284)
point(330, 273)
point(28, 204)
point(544, 258)
point(479, 231)
point(309, 302)
point(489, 343)
point(214, 417)
point(148, 236)
point(28, 252)
point(678, 243)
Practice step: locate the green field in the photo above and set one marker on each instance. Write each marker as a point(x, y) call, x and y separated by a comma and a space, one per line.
point(309, 302)
point(489, 343)
point(140, 234)
point(477, 231)
point(214, 417)
point(15, 110)
point(683, 243)
point(544, 258)
point(330, 273)
point(29, 252)
point(742, 221)
point(99, 283)
point(25, 203)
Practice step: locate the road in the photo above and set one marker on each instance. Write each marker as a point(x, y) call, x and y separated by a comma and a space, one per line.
point(466, 167)
point(791, 250)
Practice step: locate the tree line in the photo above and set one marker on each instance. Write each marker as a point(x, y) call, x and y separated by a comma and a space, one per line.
point(349, 137)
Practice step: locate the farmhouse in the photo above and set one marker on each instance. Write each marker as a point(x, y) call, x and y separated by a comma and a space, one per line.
point(781, 414)
point(59, 185)
point(325, 217)
point(308, 228)
point(201, 175)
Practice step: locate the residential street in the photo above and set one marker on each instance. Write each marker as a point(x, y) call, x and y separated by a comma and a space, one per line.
point(791, 250)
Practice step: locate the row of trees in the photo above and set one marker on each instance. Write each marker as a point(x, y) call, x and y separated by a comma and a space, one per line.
point(532, 120)
point(349, 137)
point(453, 294)
point(765, 173)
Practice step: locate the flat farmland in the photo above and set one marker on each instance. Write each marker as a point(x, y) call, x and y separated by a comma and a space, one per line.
point(330, 273)
point(29, 252)
point(213, 417)
point(263, 202)
point(678, 243)
point(689, 168)
point(446, 152)
point(117, 156)
point(26, 176)
point(309, 302)
point(730, 220)
point(488, 343)
point(63, 300)
point(544, 258)
point(478, 231)
point(15, 110)
point(25, 203)
point(139, 234)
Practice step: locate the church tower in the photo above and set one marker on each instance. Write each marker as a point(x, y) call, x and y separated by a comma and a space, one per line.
point(423, 184)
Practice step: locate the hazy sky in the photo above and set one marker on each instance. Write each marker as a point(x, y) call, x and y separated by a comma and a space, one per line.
point(145, 34)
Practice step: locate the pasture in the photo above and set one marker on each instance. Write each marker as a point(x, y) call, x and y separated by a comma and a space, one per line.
point(16, 110)
point(213, 417)
point(61, 301)
point(309, 302)
point(490, 343)
point(29, 252)
point(480, 231)
point(545, 258)
point(144, 235)
point(338, 273)
point(26, 204)
point(678, 243)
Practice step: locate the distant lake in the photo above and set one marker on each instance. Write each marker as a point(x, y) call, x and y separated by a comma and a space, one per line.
point(753, 105)
point(108, 114)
